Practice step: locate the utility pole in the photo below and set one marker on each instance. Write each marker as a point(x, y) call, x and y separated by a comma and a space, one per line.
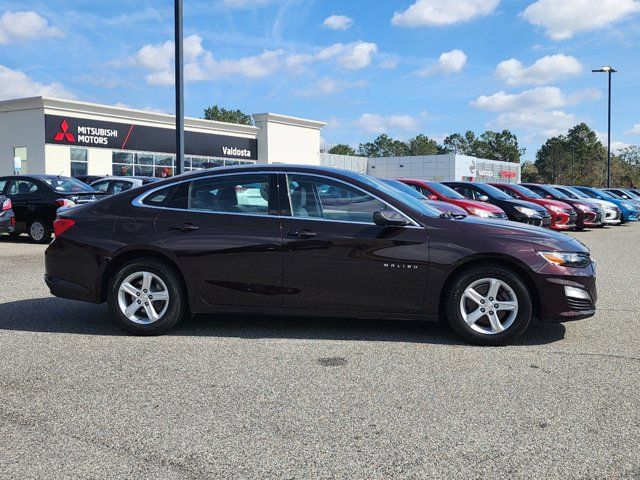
point(179, 88)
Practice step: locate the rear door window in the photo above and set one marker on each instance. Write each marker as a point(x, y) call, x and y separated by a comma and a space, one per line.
point(120, 186)
point(101, 186)
point(238, 194)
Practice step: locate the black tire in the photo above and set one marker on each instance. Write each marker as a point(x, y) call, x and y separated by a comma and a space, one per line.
point(177, 304)
point(466, 279)
point(44, 235)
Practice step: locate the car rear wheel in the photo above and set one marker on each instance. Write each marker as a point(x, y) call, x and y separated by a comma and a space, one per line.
point(39, 232)
point(146, 297)
point(489, 305)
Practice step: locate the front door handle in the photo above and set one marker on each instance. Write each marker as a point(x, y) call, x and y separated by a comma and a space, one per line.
point(186, 227)
point(303, 233)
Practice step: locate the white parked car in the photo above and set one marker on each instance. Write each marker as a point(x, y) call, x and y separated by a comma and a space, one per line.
point(113, 185)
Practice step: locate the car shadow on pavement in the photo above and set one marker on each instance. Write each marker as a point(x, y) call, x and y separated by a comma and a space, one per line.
point(54, 315)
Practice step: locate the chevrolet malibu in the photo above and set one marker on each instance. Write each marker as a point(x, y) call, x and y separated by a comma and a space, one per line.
point(276, 239)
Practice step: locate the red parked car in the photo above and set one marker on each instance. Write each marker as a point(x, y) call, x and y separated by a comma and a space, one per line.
point(563, 216)
point(438, 191)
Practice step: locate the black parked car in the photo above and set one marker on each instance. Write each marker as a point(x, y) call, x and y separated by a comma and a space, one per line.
point(517, 210)
point(36, 199)
point(7, 218)
point(276, 239)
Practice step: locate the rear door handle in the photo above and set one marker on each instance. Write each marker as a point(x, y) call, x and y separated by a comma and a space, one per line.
point(303, 233)
point(187, 227)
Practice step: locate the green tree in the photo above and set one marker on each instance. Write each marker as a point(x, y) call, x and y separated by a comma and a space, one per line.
point(625, 167)
point(228, 116)
point(578, 157)
point(529, 173)
point(460, 144)
point(422, 145)
point(383, 146)
point(342, 149)
point(501, 146)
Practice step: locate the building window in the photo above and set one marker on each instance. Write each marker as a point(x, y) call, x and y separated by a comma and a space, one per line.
point(78, 162)
point(162, 165)
point(21, 153)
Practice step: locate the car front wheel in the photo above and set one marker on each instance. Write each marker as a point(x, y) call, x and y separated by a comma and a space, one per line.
point(146, 297)
point(489, 305)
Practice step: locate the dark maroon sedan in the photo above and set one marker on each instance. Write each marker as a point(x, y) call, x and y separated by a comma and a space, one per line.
point(276, 239)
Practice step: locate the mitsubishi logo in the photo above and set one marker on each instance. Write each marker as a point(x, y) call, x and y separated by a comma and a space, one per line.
point(64, 133)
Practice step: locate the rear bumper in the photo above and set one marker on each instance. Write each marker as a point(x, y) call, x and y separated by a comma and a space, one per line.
point(7, 222)
point(66, 289)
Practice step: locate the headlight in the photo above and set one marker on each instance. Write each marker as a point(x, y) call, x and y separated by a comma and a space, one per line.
point(556, 208)
point(529, 212)
point(480, 212)
point(566, 259)
point(628, 205)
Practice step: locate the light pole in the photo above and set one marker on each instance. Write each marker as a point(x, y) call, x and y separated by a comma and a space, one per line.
point(179, 88)
point(609, 70)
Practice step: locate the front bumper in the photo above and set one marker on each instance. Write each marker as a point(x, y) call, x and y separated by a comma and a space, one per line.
point(564, 221)
point(593, 219)
point(559, 302)
point(612, 217)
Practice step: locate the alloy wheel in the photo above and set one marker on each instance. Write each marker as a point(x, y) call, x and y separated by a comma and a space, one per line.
point(143, 298)
point(489, 306)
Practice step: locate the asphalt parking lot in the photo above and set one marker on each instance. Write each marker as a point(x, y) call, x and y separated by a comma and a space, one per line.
point(240, 397)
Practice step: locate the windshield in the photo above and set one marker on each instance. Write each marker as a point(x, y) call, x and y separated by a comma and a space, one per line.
point(606, 194)
point(404, 188)
point(415, 203)
point(446, 192)
point(493, 192)
point(525, 191)
point(70, 185)
point(573, 193)
point(555, 192)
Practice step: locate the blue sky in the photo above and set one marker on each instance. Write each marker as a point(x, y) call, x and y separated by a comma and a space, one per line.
point(400, 67)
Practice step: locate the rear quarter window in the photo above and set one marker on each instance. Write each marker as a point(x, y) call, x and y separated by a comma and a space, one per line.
point(160, 197)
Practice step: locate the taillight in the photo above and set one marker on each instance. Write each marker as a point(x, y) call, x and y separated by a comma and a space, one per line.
point(61, 225)
point(6, 205)
point(64, 202)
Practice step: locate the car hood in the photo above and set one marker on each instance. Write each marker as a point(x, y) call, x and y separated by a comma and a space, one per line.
point(531, 205)
point(557, 203)
point(447, 207)
point(602, 203)
point(541, 238)
point(481, 205)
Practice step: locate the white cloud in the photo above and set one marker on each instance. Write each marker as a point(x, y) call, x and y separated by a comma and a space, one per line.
point(562, 19)
point(352, 56)
point(200, 64)
point(545, 70)
point(375, 123)
point(635, 130)
point(448, 62)
point(544, 124)
point(19, 26)
point(536, 110)
point(16, 84)
point(329, 86)
point(388, 62)
point(535, 99)
point(337, 22)
point(426, 13)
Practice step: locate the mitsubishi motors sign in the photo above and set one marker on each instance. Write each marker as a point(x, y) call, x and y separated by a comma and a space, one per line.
point(83, 132)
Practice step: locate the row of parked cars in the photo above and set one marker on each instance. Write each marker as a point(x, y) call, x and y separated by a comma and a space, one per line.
point(558, 207)
point(30, 203)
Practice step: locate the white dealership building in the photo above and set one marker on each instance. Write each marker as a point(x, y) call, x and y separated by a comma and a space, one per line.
point(67, 137)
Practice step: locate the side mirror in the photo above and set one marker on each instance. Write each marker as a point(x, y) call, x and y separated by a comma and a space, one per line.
point(548, 197)
point(432, 197)
point(483, 198)
point(389, 218)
